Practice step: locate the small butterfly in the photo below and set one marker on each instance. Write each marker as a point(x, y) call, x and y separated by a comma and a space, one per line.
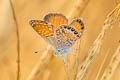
point(54, 28)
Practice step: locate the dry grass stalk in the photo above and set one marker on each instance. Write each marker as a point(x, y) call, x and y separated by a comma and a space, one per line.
point(76, 11)
point(109, 71)
point(18, 40)
point(103, 63)
point(94, 50)
point(71, 65)
point(41, 66)
point(71, 68)
point(8, 67)
point(46, 75)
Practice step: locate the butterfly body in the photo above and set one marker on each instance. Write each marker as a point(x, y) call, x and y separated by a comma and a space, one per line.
point(57, 32)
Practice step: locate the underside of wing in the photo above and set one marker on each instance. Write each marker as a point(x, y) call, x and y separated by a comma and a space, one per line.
point(68, 32)
point(67, 35)
point(78, 24)
point(43, 28)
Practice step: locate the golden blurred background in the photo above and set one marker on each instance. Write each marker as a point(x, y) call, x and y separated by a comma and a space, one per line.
point(93, 16)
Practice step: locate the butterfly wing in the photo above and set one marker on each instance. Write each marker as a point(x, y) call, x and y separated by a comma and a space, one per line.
point(66, 35)
point(44, 29)
point(56, 19)
point(78, 24)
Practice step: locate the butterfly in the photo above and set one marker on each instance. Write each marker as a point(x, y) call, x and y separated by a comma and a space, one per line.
point(55, 30)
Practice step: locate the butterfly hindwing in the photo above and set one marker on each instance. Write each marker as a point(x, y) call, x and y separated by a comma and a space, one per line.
point(78, 24)
point(66, 36)
point(56, 19)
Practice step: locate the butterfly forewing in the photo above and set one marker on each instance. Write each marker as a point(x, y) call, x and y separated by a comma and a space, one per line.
point(56, 19)
point(42, 27)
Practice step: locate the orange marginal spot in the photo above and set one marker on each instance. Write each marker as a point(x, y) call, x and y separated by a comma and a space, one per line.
point(78, 26)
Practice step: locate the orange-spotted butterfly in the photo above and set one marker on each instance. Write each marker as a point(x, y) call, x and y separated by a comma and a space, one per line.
point(54, 28)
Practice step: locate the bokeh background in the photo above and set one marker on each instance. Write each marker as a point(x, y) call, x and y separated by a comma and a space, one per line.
point(93, 16)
